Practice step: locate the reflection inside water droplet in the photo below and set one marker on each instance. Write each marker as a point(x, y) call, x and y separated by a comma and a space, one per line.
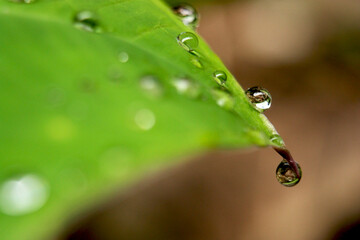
point(123, 57)
point(188, 41)
point(286, 176)
point(259, 97)
point(220, 77)
point(151, 85)
point(22, 195)
point(145, 119)
point(187, 14)
point(87, 20)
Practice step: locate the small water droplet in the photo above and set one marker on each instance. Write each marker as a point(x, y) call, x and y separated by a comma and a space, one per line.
point(23, 194)
point(23, 1)
point(276, 139)
point(259, 97)
point(87, 20)
point(145, 119)
point(220, 77)
point(187, 14)
point(223, 99)
point(151, 85)
point(196, 62)
point(188, 41)
point(186, 87)
point(123, 57)
point(286, 176)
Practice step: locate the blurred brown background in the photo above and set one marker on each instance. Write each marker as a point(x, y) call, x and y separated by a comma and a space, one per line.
point(307, 54)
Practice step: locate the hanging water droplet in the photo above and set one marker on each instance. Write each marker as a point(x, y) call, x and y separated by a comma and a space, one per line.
point(196, 62)
point(276, 139)
point(286, 176)
point(22, 195)
point(187, 14)
point(186, 87)
point(220, 77)
point(123, 57)
point(87, 20)
point(223, 99)
point(145, 119)
point(259, 97)
point(151, 85)
point(188, 41)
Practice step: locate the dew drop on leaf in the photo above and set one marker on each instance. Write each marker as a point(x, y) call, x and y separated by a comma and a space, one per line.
point(151, 85)
point(223, 99)
point(188, 41)
point(145, 119)
point(187, 14)
point(276, 139)
point(187, 87)
point(259, 97)
point(87, 20)
point(196, 62)
point(123, 57)
point(23, 194)
point(286, 176)
point(220, 77)
point(22, 1)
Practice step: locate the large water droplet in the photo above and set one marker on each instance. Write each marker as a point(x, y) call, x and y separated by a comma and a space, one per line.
point(220, 77)
point(151, 85)
point(259, 97)
point(87, 20)
point(186, 87)
point(22, 195)
point(286, 176)
point(123, 57)
point(188, 41)
point(145, 119)
point(187, 14)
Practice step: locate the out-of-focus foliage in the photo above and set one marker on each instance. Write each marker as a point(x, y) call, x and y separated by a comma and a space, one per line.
point(79, 111)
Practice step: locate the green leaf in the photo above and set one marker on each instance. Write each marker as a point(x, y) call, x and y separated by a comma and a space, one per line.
point(76, 117)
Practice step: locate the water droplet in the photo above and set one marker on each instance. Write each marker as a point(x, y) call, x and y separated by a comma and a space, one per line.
point(220, 77)
point(276, 139)
point(188, 41)
point(223, 99)
point(87, 20)
point(145, 119)
point(186, 87)
point(259, 97)
point(151, 86)
point(123, 57)
point(196, 62)
point(22, 195)
point(22, 1)
point(286, 176)
point(187, 14)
